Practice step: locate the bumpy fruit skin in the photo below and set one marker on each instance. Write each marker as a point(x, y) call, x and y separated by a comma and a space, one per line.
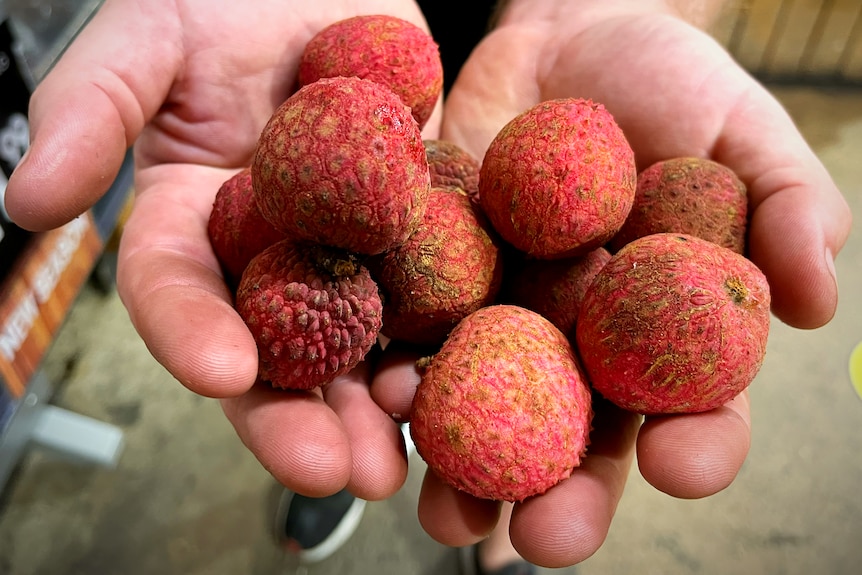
point(237, 231)
point(313, 313)
point(555, 288)
point(502, 411)
point(341, 163)
point(452, 166)
point(450, 267)
point(693, 196)
point(674, 324)
point(559, 179)
point(385, 49)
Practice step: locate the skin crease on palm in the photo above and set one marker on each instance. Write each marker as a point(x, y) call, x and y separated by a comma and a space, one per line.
point(192, 84)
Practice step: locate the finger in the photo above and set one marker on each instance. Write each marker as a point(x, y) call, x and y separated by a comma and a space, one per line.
point(571, 520)
point(295, 436)
point(395, 379)
point(86, 113)
point(695, 455)
point(449, 516)
point(171, 284)
point(453, 517)
point(799, 219)
point(566, 524)
point(376, 441)
point(800, 266)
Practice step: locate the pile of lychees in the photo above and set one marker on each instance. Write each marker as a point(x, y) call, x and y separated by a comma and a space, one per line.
point(546, 272)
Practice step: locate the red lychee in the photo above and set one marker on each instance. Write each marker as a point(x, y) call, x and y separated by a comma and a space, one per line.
point(452, 166)
point(559, 179)
point(555, 288)
point(313, 311)
point(237, 231)
point(693, 196)
point(450, 267)
point(341, 163)
point(674, 324)
point(502, 411)
point(385, 49)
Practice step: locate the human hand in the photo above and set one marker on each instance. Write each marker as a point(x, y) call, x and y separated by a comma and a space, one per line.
point(674, 92)
point(191, 84)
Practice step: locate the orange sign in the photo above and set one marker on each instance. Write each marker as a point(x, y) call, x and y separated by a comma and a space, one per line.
point(37, 295)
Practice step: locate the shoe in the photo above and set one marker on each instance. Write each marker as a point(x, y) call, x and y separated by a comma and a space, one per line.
point(468, 560)
point(408, 439)
point(313, 528)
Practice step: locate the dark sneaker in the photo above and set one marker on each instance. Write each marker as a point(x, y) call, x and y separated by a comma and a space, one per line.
point(313, 528)
point(468, 561)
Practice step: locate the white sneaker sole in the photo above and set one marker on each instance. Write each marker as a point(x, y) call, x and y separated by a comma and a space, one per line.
point(342, 532)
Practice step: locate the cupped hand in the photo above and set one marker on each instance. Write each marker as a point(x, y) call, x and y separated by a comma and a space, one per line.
point(191, 84)
point(675, 92)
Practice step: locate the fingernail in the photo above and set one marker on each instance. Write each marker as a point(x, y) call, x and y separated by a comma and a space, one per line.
point(830, 265)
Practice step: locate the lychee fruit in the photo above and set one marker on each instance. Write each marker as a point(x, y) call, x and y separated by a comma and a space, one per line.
point(502, 411)
point(555, 288)
point(236, 229)
point(674, 324)
point(341, 163)
point(688, 195)
point(559, 179)
point(313, 311)
point(452, 166)
point(385, 49)
point(450, 267)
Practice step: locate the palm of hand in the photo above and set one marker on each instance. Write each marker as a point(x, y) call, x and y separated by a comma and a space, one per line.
point(218, 79)
point(675, 92)
point(194, 99)
point(193, 93)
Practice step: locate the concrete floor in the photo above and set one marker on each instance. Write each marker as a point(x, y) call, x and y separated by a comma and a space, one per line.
point(188, 499)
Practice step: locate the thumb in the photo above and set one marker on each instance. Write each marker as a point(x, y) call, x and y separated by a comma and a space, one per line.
point(89, 109)
point(493, 87)
point(799, 220)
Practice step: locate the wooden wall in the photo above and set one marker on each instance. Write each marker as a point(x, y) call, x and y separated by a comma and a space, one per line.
point(806, 41)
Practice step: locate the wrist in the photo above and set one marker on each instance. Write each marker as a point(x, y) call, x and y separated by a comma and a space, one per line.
point(583, 13)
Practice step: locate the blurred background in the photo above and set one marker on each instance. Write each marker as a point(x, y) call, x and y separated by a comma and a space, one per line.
point(108, 465)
